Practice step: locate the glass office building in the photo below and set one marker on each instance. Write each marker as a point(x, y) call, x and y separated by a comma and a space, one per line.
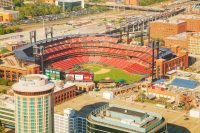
point(116, 119)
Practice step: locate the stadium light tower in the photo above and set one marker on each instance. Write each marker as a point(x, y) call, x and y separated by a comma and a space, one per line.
point(38, 51)
point(49, 31)
point(33, 36)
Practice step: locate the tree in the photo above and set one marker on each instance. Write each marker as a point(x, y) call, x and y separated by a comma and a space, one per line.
point(2, 128)
point(18, 2)
point(37, 10)
point(187, 100)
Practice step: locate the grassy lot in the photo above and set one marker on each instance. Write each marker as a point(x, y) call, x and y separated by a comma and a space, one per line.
point(150, 2)
point(4, 88)
point(114, 73)
point(3, 50)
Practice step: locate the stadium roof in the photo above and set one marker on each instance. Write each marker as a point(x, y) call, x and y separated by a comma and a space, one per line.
point(197, 6)
point(184, 83)
point(26, 52)
point(22, 53)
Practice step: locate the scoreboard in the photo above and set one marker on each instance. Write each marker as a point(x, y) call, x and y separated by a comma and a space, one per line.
point(79, 76)
point(52, 74)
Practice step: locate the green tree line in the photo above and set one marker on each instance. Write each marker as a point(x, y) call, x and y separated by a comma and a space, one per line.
point(8, 29)
point(37, 10)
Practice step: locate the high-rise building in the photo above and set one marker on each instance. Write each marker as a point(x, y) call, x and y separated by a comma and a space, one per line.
point(70, 122)
point(34, 107)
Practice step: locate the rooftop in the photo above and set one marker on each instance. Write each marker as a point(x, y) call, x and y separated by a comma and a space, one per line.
point(33, 83)
point(8, 11)
point(7, 102)
point(180, 36)
point(185, 83)
point(170, 21)
point(191, 16)
point(61, 86)
point(196, 34)
point(127, 112)
point(125, 119)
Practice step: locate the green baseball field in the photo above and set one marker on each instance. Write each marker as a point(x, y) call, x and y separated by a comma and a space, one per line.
point(101, 72)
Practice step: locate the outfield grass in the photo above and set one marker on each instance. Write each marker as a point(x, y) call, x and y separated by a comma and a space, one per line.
point(92, 67)
point(114, 73)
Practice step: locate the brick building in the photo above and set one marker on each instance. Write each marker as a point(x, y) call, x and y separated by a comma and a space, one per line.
point(193, 22)
point(189, 41)
point(164, 28)
point(194, 9)
point(180, 40)
point(64, 93)
point(11, 46)
point(179, 62)
point(12, 68)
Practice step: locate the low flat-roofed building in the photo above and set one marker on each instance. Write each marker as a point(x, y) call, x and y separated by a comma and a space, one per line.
point(192, 22)
point(106, 83)
point(9, 15)
point(7, 108)
point(194, 9)
point(189, 41)
point(163, 28)
point(113, 118)
point(179, 62)
point(180, 40)
point(84, 86)
point(11, 46)
point(63, 93)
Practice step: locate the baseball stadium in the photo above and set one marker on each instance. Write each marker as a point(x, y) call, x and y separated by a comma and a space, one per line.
point(103, 55)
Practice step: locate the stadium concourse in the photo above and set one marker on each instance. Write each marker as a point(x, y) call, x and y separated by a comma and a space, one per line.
point(64, 52)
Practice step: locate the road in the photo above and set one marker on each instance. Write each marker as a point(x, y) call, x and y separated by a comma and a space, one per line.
point(97, 25)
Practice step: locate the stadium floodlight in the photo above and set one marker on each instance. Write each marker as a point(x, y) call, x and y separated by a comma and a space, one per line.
point(32, 36)
point(38, 51)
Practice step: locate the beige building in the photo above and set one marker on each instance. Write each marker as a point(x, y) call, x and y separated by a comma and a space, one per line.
point(194, 44)
point(8, 15)
point(6, 3)
point(7, 109)
point(34, 104)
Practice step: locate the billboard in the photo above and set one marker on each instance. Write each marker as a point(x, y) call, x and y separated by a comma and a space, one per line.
point(88, 77)
point(52, 74)
point(79, 77)
point(70, 77)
